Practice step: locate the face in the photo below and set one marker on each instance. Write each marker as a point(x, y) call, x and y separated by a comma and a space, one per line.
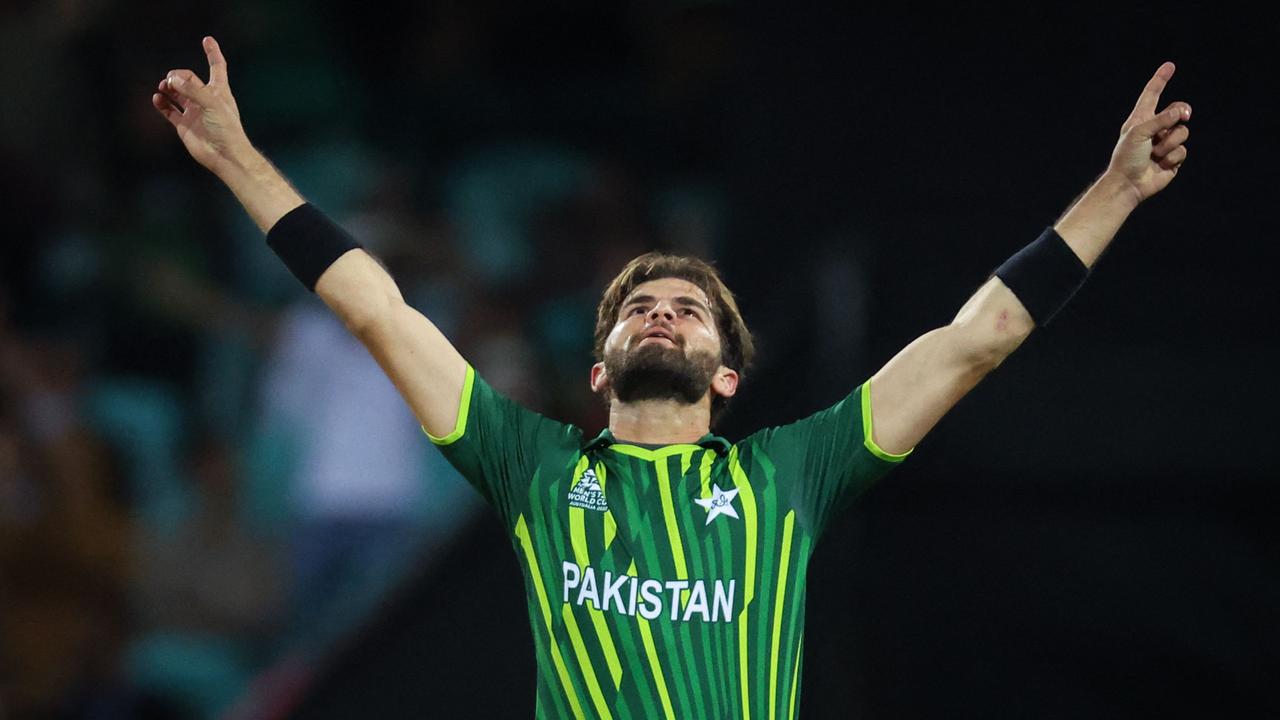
point(664, 346)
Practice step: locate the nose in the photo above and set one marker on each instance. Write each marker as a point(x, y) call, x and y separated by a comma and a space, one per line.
point(662, 310)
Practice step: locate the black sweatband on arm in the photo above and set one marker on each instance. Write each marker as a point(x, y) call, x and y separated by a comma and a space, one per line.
point(309, 242)
point(1044, 275)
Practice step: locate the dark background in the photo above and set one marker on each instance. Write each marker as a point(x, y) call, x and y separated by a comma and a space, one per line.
point(1090, 534)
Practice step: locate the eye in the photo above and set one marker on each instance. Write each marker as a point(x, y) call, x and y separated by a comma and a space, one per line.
point(638, 309)
point(690, 312)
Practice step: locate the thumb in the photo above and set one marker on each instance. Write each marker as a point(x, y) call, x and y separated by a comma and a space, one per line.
point(1170, 116)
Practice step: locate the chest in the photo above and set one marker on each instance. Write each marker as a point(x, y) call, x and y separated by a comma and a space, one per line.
point(673, 515)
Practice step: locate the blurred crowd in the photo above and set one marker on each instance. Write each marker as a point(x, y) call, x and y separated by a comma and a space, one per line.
point(204, 481)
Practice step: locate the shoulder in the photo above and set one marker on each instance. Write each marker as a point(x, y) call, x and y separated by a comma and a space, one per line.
point(844, 414)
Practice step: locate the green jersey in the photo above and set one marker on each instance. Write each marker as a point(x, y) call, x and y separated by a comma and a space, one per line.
point(664, 581)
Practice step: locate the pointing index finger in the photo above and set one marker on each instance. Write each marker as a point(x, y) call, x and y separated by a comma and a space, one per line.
point(1150, 97)
point(217, 63)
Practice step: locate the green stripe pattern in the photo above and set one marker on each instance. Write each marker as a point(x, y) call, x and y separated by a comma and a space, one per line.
point(646, 609)
point(668, 582)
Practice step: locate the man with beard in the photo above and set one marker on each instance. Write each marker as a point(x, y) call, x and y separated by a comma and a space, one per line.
point(664, 565)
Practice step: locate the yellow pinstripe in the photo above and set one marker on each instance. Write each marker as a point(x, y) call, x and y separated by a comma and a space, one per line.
point(795, 675)
point(526, 543)
point(578, 538)
point(584, 660)
point(610, 525)
point(646, 636)
point(741, 482)
point(779, 596)
point(673, 528)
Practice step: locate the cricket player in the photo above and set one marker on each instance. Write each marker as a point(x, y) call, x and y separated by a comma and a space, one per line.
point(665, 566)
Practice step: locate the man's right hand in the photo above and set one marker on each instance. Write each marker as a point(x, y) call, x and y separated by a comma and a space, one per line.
point(204, 114)
point(417, 357)
point(208, 123)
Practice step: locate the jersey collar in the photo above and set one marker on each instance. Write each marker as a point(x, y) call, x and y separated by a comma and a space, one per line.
point(708, 441)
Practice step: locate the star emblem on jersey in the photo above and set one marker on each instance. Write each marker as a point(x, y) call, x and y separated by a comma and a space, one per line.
point(587, 493)
point(720, 503)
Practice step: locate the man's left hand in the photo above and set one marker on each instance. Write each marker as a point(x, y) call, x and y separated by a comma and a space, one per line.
point(1152, 145)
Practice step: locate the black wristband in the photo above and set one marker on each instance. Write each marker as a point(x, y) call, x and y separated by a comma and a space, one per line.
point(309, 242)
point(1044, 275)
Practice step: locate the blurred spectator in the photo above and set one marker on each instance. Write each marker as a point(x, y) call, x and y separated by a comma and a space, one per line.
point(38, 43)
point(355, 482)
point(495, 193)
point(367, 492)
point(63, 541)
point(208, 595)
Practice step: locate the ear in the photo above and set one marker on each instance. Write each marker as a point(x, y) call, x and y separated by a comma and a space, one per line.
point(599, 378)
point(725, 382)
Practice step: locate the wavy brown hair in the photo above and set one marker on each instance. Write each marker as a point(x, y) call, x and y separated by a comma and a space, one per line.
point(736, 345)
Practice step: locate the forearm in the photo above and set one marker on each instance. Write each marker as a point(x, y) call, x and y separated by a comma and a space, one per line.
point(915, 389)
point(1092, 222)
point(994, 321)
point(355, 287)
point(261, 189)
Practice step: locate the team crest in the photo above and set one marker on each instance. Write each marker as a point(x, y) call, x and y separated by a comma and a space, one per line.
point(587, 493)
point(720, 503)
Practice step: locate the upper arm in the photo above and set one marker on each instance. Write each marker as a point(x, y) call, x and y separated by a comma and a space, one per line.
point(928, 377)
point(421, 362)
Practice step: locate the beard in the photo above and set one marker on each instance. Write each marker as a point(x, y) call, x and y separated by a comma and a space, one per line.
point(658, 372)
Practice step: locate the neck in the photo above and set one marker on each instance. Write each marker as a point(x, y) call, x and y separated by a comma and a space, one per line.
point(660, 422)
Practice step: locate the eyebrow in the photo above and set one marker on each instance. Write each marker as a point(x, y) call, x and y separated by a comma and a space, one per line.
point(679, 300)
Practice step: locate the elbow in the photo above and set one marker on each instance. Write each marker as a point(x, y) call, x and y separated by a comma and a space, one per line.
point(360, 292)
point(367, 320)
point(363, 309)
point(986, 342)
point(363, 327)
point(990, 327)
point(981, 361)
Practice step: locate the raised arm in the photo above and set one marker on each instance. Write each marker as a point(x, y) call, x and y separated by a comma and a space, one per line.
point(921, 383)
point(424, 366)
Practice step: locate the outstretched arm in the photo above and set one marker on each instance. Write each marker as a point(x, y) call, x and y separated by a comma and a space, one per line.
point(921, 383)
point(424, 366)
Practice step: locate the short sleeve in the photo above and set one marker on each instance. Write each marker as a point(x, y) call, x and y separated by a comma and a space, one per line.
point(498, 445)
point(824, 461)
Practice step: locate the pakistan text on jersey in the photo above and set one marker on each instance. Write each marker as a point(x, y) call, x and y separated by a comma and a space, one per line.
point(629, 595)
